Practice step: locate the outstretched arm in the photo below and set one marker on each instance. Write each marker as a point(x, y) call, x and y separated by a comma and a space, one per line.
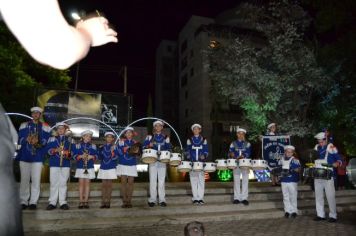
point(42, 30)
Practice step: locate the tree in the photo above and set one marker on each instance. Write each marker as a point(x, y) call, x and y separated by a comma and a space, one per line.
point(277, 80)
point(20, 75)
point(335, 35)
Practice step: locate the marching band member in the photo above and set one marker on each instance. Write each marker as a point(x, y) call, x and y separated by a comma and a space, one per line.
point(272, 131)
point(59, 149)
point(158, 169)
point(197, 150)
point(290, 181)
point(33, 136)
point(85, 154)
point(239, 149)
point(126, 168)
point(327, 155)
point(108, 156)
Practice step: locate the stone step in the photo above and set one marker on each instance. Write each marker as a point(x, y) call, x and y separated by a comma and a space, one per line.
point(31, 224)
point(170, 211)
point(186, 198)
point(143, 189)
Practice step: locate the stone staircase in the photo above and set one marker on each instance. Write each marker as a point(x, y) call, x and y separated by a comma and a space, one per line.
point(265, 202)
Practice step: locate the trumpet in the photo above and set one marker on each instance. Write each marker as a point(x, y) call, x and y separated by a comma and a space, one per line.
point(85, 159)
point(61, 154)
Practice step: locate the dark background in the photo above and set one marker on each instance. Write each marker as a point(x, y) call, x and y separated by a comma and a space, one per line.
point(141, 26)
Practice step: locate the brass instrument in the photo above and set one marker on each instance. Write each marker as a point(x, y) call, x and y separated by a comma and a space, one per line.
point(85, 159)
point(33, 139)
point(61, 154)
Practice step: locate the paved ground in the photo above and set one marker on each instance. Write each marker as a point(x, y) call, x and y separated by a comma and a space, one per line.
point(303, 226)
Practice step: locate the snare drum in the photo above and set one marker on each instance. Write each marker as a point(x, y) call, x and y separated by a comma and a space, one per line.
point(209, 167)
point(244, 163)
point(285, 173)
point(198, 166)
point(185, 166)
point(322, 173)
point(221, 164)
point(259, 164)
point(149, 156)
point(175, 159)
point(232, 163)
point(165, 156)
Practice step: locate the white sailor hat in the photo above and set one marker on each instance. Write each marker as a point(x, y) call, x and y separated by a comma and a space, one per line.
point(241, 130)
point(61, 124)
point(109, 133)
point(128, 128)
point(320, 136)
point(289, 147)
point(270, 125)
point(196, 125)
point(157, 122)
point(87, 132)
point(36, 109)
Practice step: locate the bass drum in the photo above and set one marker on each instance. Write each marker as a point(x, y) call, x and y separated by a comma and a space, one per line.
point(351, 171)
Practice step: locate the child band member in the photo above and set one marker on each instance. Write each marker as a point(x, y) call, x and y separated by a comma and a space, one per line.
point(157, 170)
point(197, 150)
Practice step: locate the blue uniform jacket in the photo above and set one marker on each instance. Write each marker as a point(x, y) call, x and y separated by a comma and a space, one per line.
point(240, 146)
point(79, 149)
point(108, 156)
point(157, 140)
point(53, 144)
point(27, 152)
point(194, 144)
point(294, 176)
point(124, 157)
point(333, 155)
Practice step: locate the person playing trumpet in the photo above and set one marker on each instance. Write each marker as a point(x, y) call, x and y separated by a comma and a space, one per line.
point(85, 153)
point(33, 136)
point(240, 149)
point(59, 150)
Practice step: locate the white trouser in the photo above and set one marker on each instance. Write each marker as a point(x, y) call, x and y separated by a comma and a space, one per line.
point(58, 190)
point(197, 180)
point(157, 169)
point(30, 172)
point(319, 186)
point(238, 193)
point(290, 194)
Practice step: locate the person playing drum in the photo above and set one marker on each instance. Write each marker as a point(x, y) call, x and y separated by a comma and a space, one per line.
point(159, 142)
point(327, 157)
point(85, 153)
point(126, 168)
point(289, 181)
point(240, 149)
point(197, 151)
point(59, 151)
point(108, 156)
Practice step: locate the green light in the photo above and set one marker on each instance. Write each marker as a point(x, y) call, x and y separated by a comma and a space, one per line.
point(224, 175)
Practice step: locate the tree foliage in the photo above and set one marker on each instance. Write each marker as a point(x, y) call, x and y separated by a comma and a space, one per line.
point(20, 75)
point(278, 80)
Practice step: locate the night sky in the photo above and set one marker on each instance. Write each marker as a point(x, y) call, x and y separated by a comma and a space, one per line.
point(141, 25)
